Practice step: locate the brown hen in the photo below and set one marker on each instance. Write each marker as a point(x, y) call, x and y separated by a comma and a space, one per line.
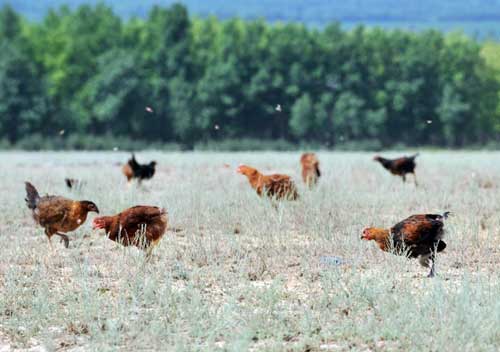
point(57, 215)
point(275, 186)
point(419, 236)
point(310, 169)
point(141, 226)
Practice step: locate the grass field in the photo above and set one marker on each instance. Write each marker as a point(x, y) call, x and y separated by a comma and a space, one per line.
point(244, 276)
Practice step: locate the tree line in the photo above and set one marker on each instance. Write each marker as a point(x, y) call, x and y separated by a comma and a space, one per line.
point(171, 78)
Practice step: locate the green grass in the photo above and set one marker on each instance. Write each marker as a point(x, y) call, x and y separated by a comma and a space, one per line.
point(264, 288)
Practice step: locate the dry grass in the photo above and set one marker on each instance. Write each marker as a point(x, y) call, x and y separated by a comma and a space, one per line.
point(236, 274)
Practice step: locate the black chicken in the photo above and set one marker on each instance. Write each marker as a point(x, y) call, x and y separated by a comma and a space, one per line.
point(132, 169)
point(400, 166)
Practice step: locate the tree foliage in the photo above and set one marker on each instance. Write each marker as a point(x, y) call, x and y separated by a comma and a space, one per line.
point(172, 78)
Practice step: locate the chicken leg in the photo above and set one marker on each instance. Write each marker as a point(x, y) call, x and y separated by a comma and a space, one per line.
point(415, 179)
point(432, 273)
point(64, 238)
point(429, 261)
point(49, 235)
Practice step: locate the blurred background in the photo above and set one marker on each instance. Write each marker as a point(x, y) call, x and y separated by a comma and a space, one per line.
point(248, 74)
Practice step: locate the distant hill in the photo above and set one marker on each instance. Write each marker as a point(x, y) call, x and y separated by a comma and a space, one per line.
point(477, 17)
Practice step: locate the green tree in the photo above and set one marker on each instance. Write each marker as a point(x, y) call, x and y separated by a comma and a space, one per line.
point(302, 121)
point(114, 92)
point(69, 43)
point(348, 117)
point(165, 53)
point(10, 24)
point(22, 102)
point(453, 113)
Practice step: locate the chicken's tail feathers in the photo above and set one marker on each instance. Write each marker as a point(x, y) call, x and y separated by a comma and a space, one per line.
point(133, 163)
point(32, 196)
point(446, 214)
point(413, 157)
